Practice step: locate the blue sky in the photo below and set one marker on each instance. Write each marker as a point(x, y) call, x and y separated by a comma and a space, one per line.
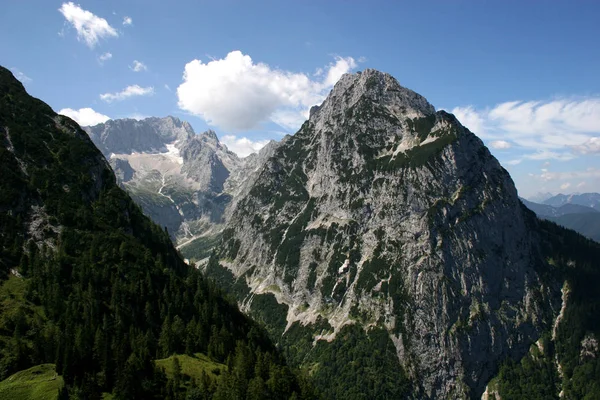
point(523, 75)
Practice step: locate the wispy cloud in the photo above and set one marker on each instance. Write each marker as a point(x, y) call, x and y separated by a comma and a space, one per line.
point(20, 75)
point(127, 21)
point(90, 28)
point(591, 146)
point(85, 116)
point(238, 94)
point(560, 125)
point(500, 144)
point(102, 58)
point(129, 91)
point(138, 66)
point(567, 175)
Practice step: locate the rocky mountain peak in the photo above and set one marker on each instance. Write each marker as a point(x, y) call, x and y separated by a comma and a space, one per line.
point(383, 212)
point(124, 136)
point(209, 136)
point(372, 86)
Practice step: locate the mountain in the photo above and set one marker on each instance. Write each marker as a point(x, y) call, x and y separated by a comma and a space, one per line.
point(387, 252)
point(92, 292)
point(584, 199)
point(588, 224)
point(175, 175)
point(184, 181)
point(545, 210)
point(539, 197)
point(582, 219)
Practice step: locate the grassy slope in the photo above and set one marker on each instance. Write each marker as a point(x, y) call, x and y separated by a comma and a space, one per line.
point(14, 307)
point(193, 366)
point(36, 383)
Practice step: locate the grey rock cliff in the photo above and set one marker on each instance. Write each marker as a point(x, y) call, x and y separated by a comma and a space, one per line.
point(130, 135)
point(381, 211)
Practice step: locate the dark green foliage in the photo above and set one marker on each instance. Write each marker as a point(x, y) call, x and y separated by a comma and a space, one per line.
point(104, 291)
point(355, 365)
point(422, 126)
point(575, 259)
point(267, 310)
point(535, 377)
point(588, 224)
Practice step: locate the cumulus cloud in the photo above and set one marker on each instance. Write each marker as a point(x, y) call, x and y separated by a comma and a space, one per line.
point(138, 66)
point(90, 28)
point(565, 186)
point(243, 146)
point(561, 124)
point(129, 91)
point(85, 116)
point(20, 75)
point(238, 94)
point(500, 144)
point(104, 57)
point(337, 69)
point(127, 21)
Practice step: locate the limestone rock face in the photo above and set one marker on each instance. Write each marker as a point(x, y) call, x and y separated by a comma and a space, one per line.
point(382, 211)
point(177, 176)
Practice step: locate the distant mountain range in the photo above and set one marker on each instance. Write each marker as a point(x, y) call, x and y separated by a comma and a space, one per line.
point(585, 199)
point(580, 212)
point(184, 181)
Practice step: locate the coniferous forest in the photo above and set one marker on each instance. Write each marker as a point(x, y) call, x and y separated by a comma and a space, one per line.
point(91, 285)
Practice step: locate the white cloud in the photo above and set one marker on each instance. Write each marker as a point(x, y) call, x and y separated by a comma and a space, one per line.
point(471, 119)
point(591, 146)
point(549, 155)
point(559, 124)
point(542, 155)
point(138, 66)
point(568, 175)
point(500, 144)
point(580, 184)
point(339, 68)
point(129, 91)
point(237, 94)
point(85, 116)
point(565, 186)
point(104, 57)
point(127, 21)
point(289, 119)
point(90, 28)
point(243, 146)
point(138, 116)
point(20, 75)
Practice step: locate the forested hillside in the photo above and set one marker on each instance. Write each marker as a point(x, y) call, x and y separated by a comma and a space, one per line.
point(90, 284)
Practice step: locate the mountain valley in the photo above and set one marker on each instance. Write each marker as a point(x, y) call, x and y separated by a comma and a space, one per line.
point(382, 248)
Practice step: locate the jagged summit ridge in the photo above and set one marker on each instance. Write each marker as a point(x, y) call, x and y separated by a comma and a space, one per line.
point(373, 86)
point(124, 136)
